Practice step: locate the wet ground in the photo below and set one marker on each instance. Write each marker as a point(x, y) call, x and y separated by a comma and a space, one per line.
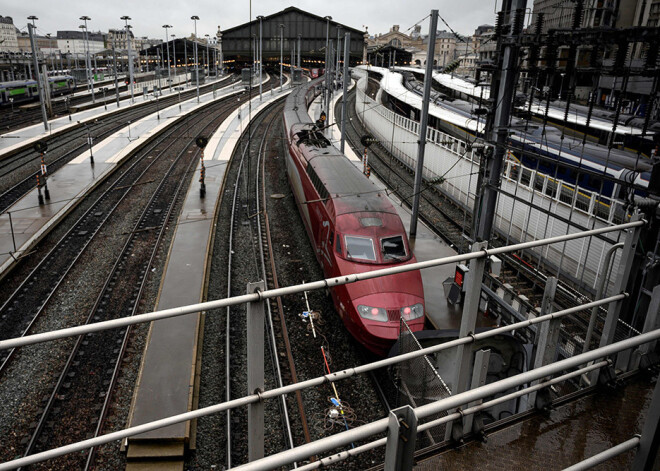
point(568, 434)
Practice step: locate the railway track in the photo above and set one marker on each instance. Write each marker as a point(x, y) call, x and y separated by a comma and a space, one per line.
point(249, 251)
point(18, 172)
point(16, 119)
point(83, 389)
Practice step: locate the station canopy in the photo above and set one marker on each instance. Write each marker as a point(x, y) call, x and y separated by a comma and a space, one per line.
point(238, 43)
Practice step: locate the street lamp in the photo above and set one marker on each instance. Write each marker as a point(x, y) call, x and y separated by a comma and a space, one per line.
point(327, 58)
point(208, 65)
point(195, 18)
point(173, 36)
point(337, 70)
point(169, 66)
point(281, 52)
point(130, 61)
point(561, 84)
point(222, 59)
point(90, 78)
point(299, 45)
point(261, 50)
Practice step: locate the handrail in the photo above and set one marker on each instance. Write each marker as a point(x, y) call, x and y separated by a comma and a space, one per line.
point(344, 438)
point(606, 455)
point(341, 456)
point(315, 285)
point(368, 430)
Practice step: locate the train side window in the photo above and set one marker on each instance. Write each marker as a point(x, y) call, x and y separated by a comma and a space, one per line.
point(338, 245)
point(514, 172)
point(538, 182)
point(526, 177)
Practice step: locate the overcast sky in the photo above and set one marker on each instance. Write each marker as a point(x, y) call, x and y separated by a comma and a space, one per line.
point(148, 16)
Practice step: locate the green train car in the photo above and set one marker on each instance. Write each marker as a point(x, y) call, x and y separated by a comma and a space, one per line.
point(27, 90)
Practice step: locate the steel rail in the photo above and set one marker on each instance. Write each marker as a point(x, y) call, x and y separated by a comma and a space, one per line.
point(280, 307)
point(233, 220)
point(260, 238)
point(356, 434)
point(44, 263)
point(47, 409)
point(146, 212)
point(166, 218)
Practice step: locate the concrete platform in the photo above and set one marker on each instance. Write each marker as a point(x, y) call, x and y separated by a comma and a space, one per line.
point(167, 377)
point(19, 138)
point(30, 221)
point(570, 433)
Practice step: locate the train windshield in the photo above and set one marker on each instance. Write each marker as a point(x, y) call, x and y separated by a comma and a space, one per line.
point(360, 248)
point(393, 247)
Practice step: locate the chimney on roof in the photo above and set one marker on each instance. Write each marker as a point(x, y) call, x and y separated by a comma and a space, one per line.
point(395, 28)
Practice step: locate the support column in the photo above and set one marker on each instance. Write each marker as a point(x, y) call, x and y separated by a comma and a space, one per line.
point(468, 323)
point(547, 336)
point(40, 83)
point(347, 79)
point(652, 322)
point(401, 439)
point(648, 445)
point(255, 372)
point(620, 284)
point(428, 78)
point(479, 373)
point(497, 126)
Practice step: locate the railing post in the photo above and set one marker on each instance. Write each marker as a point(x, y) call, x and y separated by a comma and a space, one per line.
point(479, 373)
point(468, 323)
point(548, 334)
point(255, 372)
point(652, 322)
point(620, 284)
point(648, 445)
point(401, 438)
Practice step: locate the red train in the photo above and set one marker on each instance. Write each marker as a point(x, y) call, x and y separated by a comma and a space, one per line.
point(354, 228)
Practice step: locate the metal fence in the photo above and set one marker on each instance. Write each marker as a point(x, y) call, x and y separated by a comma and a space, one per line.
point(441, 411)
point(419, 382)
point(531, 205)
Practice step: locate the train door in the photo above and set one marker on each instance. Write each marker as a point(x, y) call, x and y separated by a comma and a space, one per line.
point(326, 245)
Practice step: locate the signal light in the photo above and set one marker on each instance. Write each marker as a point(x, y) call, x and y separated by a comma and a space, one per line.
point(459, 275)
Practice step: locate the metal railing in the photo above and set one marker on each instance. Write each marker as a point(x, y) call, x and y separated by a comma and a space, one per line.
point(598, 356)
point(298, 289)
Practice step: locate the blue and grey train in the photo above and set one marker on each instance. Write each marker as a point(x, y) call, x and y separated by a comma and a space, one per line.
point(560, 156)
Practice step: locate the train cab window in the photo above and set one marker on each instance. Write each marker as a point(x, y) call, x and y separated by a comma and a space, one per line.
point(360, 248)
point(393, 247)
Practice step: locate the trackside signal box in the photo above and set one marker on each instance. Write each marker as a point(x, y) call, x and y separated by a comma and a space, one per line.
point(457, 287)
point(459, 275)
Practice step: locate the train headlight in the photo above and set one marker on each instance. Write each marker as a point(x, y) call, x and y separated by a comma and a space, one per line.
point(372, 313)
point(412, 312)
